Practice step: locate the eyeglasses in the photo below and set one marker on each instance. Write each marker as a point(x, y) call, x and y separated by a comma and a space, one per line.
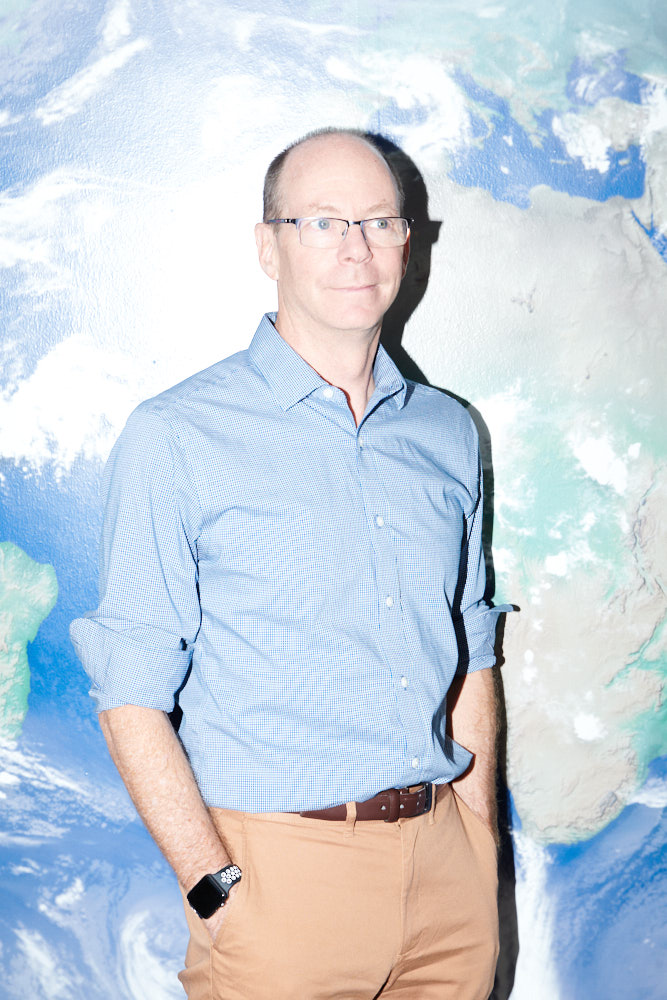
point(328, 233)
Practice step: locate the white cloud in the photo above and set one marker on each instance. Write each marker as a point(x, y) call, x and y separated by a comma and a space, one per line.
point(536, 918)
point(504, 413)
point(507, 414)
point(226, 111)
point(117, 24)
point(40, 776)
point(599, 461)
point(413, 81)
point(119, 274)
point(43, 966)
point(654, 150)
point(584, 140)
point(27, 867)
point(613, 124)
point(71, 896)
point(30, 226)
point(145, 971)
point(557, 565)
point(504, 560)
point(69, 97)
point(43, 422)
point(653, 794)
point(588, 727)
point(318, 29)
point(8, 118)
point(243, 27)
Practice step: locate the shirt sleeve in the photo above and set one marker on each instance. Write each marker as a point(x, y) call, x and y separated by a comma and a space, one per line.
point(137, 645)
point(474, 620)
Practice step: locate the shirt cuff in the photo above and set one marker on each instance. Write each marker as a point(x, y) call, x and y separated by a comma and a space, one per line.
point(143, 668)
point(480, 634)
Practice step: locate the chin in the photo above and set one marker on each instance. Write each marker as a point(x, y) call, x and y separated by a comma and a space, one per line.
point(356, 321)
point(360, 316)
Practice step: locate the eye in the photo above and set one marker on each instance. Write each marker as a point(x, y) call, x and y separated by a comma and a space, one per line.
point(381, 224)
point(321, 224)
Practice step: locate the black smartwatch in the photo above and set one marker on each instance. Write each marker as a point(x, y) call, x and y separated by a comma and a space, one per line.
point(211, 892)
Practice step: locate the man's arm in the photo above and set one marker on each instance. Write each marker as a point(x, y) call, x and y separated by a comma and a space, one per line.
point(473, 722)
point(157, 774)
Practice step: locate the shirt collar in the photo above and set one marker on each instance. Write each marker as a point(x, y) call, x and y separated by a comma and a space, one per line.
point(388, 379)
point(292, 379)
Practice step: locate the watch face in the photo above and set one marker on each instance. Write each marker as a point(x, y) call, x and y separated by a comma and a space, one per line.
point(206, 897)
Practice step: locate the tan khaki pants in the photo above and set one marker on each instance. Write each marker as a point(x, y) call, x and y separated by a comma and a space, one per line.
point(353, 910)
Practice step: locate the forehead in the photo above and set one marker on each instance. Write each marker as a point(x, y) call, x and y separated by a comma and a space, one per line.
point(330, 173)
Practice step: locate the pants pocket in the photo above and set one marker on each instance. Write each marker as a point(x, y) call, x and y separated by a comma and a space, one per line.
point(198, 977)
point(482, 843)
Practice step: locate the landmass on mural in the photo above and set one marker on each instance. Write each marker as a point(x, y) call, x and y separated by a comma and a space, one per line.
point(582, 689)
point(28, 592)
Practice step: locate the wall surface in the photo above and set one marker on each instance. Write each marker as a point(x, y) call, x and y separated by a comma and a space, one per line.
point(134, 137)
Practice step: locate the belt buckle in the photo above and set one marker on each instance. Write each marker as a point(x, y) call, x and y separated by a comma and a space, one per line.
point(428, 798)
point(394, 797)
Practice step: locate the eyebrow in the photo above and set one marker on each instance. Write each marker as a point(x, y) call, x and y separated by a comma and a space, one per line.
point(331, 210)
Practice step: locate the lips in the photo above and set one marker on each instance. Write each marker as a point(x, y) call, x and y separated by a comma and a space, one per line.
point(354, 288)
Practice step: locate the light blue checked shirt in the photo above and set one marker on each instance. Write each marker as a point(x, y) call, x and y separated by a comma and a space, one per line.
point(310, 573)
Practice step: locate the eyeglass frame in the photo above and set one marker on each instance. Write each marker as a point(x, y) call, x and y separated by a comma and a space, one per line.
point(348, 223)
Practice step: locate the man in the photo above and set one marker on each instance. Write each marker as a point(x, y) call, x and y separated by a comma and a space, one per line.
point(292, 549)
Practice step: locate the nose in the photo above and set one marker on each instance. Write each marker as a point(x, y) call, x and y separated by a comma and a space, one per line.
point(354, 247)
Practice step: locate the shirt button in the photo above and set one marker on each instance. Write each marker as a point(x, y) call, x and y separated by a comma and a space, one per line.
point(404, 682)
point(328, 392)
point(389, 601)
point(361, 442)
point(415, 762)
point(379, 520)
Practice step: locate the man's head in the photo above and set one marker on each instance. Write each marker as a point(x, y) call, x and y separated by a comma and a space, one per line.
point(272, 193)
point(336, 174)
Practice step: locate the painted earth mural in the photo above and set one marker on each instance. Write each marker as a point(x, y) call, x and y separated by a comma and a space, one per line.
point(133, 140)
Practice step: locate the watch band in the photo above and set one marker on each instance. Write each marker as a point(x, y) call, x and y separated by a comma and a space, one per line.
point(211, 892)
point(228, 876)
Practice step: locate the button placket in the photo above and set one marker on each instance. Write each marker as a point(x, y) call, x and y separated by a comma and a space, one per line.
point(391, 638)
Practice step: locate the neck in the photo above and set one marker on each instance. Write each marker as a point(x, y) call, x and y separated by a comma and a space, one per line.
point(346, 361)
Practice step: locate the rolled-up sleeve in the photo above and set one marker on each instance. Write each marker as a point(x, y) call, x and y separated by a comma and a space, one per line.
point(137, 645)
point(477, 621)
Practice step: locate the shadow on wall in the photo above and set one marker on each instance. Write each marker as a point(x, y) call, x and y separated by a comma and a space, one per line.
point(424, 235)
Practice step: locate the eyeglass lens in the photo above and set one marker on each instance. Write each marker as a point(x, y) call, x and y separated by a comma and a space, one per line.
point(325, 232)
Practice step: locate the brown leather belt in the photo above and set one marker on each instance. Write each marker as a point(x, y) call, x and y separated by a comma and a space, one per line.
point(395, 803)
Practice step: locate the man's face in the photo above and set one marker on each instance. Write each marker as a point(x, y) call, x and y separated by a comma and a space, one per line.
point(323, 292)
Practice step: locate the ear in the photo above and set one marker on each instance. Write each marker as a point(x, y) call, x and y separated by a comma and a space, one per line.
point(267, 250)
point(406, 256)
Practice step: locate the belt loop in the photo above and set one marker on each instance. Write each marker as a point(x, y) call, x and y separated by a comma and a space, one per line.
point(350, 819)
point(394, 801)
point(431, 812)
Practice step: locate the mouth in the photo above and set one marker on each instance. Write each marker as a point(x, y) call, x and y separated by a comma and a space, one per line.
point(354, 288)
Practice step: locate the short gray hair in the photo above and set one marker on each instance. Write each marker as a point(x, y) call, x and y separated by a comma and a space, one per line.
point(272, 203)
